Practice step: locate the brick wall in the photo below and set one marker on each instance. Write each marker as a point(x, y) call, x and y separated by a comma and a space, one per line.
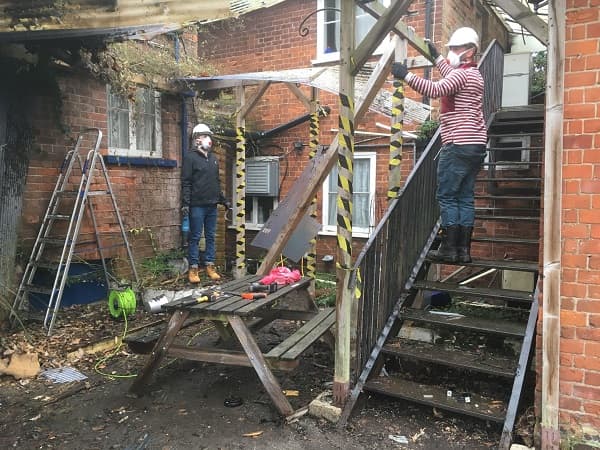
point(269, 40)
point(580, 275)
point(147, 197)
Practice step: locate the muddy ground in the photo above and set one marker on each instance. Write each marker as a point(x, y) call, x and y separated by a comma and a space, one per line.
point(184, 407)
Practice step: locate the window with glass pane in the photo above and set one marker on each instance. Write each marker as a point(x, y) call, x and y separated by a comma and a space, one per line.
point(134, 128)
point(328, 38)
point(258, 210)
point(361, 197)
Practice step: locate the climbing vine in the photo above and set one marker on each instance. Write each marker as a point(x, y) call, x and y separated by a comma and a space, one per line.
point(121, 64)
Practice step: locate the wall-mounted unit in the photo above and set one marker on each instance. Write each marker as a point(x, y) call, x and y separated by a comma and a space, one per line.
point(262, 176)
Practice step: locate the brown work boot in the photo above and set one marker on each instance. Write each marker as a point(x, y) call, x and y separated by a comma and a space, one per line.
point(212, 273)
point(193, 276)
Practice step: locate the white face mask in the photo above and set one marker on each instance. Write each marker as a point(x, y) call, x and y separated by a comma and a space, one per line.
point(204, 142)
point(454, 58)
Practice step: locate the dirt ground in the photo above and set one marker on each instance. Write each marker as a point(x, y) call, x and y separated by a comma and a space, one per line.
point(184, 407)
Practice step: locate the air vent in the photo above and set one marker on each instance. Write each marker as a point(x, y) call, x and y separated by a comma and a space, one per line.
point(262, 176)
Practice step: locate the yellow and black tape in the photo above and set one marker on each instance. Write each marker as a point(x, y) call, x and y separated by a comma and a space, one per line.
point(240, 176)
point(345, 174)
point(311, 256)
point(396, 140)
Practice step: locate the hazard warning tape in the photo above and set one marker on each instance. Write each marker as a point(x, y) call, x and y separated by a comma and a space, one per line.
point(311, 256)
point(240, 188)
point(394, 174)
point(345, 169)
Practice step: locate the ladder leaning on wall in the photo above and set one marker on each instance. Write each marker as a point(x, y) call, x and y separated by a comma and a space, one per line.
point(57, 238)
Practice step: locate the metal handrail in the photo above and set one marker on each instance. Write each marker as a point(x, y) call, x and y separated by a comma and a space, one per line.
point(387, 262)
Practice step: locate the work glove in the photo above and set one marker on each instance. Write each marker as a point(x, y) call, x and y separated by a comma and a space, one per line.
point(432, 50)
point(399, 70)
point(185, 210)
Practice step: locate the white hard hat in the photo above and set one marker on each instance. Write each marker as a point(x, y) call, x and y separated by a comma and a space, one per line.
point(463, 36)
point(202, 129)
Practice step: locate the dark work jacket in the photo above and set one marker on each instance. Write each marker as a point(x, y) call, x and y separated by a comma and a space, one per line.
point(200, 182)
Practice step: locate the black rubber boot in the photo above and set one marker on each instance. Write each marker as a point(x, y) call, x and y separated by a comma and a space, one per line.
point(464, 244)
point(447, 251)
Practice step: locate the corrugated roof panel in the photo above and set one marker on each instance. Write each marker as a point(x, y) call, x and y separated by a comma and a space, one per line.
point(41, 19)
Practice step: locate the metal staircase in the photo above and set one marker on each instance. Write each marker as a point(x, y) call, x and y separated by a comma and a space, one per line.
point(460, 336)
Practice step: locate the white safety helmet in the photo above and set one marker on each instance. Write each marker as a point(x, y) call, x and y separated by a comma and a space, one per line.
point(202, 129)
point(463, 36)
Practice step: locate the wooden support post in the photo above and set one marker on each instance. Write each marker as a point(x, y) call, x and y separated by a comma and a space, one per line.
point(311, 259)
point(240, 190)
point(552, 227)
point(341, 378)
point(160, 350)
point(260, 366)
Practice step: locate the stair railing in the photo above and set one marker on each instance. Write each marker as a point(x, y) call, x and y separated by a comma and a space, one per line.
point(391, 254)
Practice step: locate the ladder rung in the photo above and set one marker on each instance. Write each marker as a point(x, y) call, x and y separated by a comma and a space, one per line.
point(59, 216)
point(54, 241)
point(38, 289)
point(90, 193)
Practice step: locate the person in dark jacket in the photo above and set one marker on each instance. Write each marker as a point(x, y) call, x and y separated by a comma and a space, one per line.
point(464, 137)
point(201, 193)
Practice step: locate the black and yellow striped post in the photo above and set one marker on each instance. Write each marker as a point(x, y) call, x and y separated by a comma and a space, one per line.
point(311, 256)
point(240, 189)
point(344, 294)
point(396, 141)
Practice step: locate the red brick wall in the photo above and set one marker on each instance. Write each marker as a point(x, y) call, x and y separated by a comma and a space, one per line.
point(268, 39)
point(580, 274)
point(148, 197)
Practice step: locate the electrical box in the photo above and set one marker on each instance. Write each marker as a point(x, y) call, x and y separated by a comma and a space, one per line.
point(262, 176)
point(517, 74)
point(518, 281)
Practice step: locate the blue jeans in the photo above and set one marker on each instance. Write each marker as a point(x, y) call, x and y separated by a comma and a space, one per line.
point(202, 218)
point(457, 169)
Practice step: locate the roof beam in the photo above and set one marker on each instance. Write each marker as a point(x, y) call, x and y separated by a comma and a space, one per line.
point(379, 31)
point(377, 10)
point(526, 18)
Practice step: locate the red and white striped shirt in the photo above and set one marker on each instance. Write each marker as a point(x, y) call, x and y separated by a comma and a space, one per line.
point(461, 93)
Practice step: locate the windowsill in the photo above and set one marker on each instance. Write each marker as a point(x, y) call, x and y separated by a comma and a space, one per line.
point(355, 234)
point(139, 161)
point(248, 227)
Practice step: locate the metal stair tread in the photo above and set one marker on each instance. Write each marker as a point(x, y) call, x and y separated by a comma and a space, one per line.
point(499, 327)
point(504, 294)
point(481, 407)
point(492, 217)
point(503, 239)
point(508, 197)
point(487, 362)
point(506, 264)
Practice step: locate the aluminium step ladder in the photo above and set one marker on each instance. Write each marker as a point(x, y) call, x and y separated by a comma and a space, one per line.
point(57, 240)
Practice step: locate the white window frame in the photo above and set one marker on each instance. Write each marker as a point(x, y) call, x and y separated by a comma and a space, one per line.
point(133, 150)
point(321, 56)
point(356, 231)
point(251, 223)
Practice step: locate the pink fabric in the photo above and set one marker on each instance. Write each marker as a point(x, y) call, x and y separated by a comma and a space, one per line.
point(281, 276)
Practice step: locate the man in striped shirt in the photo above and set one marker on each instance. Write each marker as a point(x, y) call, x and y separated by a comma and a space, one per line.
point(464, 138)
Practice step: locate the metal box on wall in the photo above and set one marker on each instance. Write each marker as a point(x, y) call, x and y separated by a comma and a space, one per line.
point(262, 176)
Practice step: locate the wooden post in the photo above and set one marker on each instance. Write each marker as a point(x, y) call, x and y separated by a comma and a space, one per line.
point(311, 259)
point(341, 378)
point(552, 226)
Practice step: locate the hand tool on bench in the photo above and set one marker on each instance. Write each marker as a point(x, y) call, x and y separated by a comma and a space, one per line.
point(253, 295)
point(269, 288)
